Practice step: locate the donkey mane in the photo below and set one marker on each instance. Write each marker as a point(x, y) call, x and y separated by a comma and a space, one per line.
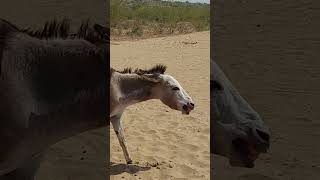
point(159, 68)
point(61, 29)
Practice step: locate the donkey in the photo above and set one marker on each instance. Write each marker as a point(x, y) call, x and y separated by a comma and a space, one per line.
point(237, 131)
point(128, 87)
point(53, 85)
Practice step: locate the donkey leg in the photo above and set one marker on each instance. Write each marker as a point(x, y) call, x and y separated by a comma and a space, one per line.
point(116, 123)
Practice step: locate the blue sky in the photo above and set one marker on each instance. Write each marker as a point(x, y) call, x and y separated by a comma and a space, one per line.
point(201, 1)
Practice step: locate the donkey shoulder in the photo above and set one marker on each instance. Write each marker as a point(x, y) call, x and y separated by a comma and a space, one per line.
point(6, 27)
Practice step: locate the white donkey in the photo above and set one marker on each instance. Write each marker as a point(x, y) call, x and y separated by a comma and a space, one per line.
point(129, 87)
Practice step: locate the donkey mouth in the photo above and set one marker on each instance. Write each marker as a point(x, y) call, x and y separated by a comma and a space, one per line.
point(247, 151)
point(186, 109)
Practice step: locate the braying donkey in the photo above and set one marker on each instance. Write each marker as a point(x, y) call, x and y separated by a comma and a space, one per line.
point(53, 85)
point(128, 87)
point(237, 131)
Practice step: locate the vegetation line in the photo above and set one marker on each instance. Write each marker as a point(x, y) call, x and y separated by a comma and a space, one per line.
point(147, 18)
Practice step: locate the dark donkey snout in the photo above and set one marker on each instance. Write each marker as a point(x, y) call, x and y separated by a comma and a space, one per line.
point(262, 139)
point(188, 106)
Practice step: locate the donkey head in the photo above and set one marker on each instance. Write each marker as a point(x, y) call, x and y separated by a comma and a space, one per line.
point(238, 132)
point(169, 90)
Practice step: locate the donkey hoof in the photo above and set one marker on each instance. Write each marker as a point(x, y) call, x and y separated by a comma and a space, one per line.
point(129, 162)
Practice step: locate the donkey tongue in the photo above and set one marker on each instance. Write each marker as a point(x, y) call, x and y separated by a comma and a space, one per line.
point(253, 153)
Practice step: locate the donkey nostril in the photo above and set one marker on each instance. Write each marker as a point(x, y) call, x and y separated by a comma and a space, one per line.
point(265, 136)
point(192, 104)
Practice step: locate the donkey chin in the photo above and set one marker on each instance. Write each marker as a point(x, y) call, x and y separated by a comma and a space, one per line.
point(244, 152)
point(242, 148)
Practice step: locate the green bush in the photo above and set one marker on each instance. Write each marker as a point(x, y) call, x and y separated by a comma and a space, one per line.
point(139, 14)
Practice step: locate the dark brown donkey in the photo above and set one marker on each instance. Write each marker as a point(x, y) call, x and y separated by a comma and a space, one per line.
point(53, 85)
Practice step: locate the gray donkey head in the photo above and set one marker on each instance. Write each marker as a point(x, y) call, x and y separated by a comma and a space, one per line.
point(238, 131)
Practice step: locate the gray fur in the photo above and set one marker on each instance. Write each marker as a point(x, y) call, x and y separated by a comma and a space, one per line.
point(235, 125)
point(50, 89)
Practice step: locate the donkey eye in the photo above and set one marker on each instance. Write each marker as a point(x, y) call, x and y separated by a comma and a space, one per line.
point(175, 89)
point(215, 85)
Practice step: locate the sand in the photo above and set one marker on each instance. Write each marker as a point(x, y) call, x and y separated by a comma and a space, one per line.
point(163, 143)
point(82, 157)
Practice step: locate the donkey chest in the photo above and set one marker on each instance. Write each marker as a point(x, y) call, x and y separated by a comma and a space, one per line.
point(115, 106)
point(117, 110)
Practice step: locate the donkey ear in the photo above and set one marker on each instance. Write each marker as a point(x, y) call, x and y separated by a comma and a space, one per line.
point(152, 77)
point(104, 32)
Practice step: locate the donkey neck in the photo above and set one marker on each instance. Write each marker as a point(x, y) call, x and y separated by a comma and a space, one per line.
point(134, 89)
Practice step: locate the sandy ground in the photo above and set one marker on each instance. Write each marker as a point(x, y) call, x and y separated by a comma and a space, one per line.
point(164, 144)
point(270, 51)
point(81, 157)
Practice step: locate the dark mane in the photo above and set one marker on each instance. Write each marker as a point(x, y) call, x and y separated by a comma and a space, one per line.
point(126, 70)
point(51, 29)
point(61, 29)
point(160, 68)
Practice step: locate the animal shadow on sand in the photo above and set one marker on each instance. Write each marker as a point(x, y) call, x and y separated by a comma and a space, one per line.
point(119, 168)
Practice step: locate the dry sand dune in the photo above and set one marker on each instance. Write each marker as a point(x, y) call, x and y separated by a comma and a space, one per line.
point(164, 144)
